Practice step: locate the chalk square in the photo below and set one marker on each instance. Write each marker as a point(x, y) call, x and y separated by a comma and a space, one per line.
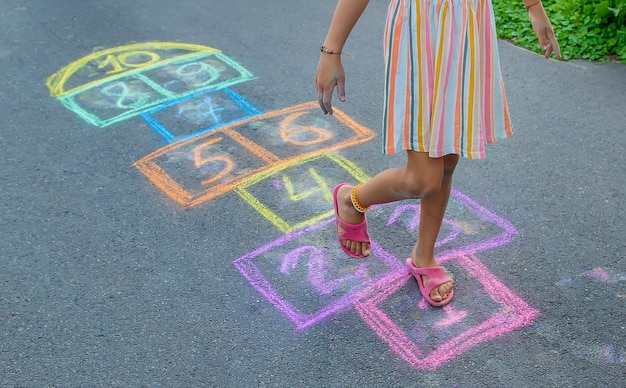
point(468, 227)
point(190, 175)
point(121, 98)
point(113, 101)
point(203, 167)
point(205, 71)
point(199, 113)
point(304, 293)
point(297, 194)
point(107, 64)
point(462, 324)
point(302, 130)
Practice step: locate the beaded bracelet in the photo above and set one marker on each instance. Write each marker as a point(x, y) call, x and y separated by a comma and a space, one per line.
point(535, 3)
point(326, 50)
point(355, 202)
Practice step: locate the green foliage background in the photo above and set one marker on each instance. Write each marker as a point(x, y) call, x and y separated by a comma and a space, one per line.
point(588, 29)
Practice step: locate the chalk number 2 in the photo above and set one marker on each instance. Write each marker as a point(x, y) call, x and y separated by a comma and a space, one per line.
point(318, 266)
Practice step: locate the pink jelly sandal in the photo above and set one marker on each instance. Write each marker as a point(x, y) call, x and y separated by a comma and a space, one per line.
point(436, 277)
point(352, 232)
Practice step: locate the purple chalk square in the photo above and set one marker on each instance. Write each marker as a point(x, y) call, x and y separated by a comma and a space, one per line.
point(467, 228)
point(306, 277)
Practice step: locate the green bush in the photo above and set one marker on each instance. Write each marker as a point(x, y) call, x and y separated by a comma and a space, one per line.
point(589, 29)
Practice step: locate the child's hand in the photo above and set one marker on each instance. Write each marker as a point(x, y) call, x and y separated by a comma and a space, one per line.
point(329, 74)
point(543, 30)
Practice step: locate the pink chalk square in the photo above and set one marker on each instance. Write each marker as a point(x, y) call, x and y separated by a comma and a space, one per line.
point(483, 308)
point(308, 281)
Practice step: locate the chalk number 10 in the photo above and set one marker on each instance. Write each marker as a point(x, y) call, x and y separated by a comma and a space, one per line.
point(128, 60)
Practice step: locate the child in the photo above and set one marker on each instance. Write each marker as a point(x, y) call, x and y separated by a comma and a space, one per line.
point(444, 99)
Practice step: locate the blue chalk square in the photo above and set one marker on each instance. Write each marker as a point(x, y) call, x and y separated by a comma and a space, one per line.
point(199, 113)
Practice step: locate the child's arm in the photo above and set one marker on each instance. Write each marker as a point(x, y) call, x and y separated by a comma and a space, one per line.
point(543, 28)
point(329, 69)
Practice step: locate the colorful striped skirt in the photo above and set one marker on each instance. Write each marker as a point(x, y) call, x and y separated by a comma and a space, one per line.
point(443, 84)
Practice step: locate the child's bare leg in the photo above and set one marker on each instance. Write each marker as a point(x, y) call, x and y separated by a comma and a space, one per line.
point(433, 209)
point(421, 177)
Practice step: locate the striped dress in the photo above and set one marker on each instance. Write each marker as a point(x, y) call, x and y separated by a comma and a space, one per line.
point(443, 84)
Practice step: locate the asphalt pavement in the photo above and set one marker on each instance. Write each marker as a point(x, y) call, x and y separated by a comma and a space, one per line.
point(166, 211)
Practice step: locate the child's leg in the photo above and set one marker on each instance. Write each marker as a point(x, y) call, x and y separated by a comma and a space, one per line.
point(421, 178)
point(433, 209)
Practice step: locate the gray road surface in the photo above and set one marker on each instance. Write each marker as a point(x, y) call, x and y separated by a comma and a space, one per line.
point(165, 211)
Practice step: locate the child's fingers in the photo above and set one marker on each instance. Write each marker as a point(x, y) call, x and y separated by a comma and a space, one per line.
point(324, 100)
point(322, 106)
point(547, 46)
point(341, 91)
point(550, 44)
point(324, 97)
point(554, 43)
point(320, 98)
point(543, 42)
point(547, 49)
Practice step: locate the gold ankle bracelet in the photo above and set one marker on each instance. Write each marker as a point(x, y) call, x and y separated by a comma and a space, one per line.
point(355, 202)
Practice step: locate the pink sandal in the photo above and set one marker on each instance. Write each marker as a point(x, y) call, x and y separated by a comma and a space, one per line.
point(352, 232)
point(436, 277)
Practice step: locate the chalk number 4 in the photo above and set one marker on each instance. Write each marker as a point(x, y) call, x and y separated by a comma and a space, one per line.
point(322, 188)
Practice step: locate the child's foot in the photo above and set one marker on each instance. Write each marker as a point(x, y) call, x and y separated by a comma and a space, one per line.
point(429, 270)
point(349, 215)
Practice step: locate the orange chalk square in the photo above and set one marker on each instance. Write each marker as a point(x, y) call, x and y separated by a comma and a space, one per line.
point(196, 170)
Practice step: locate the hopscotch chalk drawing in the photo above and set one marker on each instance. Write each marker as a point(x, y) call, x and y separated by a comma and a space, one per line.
point(378, 287)
point(201, 112)
point(206, 166)
point(278, 164)
point(116, 84)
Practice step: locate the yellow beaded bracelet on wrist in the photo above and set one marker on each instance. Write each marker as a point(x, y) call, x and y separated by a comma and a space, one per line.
point(355, 202)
